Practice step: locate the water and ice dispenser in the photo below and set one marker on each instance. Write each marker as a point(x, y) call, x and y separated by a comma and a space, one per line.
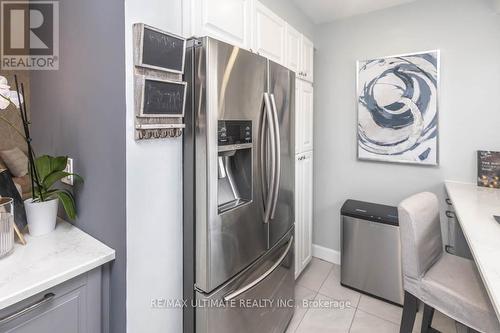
point(234, 164)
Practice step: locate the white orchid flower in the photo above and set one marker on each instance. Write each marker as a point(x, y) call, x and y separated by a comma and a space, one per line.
point(5, 93)
point(7, 96)
point(4, 85)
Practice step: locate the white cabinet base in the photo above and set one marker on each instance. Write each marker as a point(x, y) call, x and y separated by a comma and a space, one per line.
point(303, 210)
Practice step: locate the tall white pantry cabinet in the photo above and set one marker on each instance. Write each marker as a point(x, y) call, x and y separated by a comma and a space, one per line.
point(251, 25)
point(303, 174)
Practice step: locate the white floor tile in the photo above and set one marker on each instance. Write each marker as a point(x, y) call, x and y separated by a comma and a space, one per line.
point(297, 318)
point(366, 323)
point(443, 323)
point(315, 274)
point(326, 319)
point(336, 272)
point(440, 322)
point(381, 309)
point(332, 288)
point(303, 293)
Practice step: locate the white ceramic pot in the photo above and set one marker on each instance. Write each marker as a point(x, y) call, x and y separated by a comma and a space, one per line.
point(41, 216)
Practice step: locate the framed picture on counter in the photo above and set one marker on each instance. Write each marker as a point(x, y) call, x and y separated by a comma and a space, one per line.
point(488, 168)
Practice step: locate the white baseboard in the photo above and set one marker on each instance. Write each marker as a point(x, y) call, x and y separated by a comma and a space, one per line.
point(326, 254)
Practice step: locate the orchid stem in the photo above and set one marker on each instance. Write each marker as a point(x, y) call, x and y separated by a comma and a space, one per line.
point(13, 126)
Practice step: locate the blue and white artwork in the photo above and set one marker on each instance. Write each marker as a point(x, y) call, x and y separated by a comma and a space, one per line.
point(398, 108)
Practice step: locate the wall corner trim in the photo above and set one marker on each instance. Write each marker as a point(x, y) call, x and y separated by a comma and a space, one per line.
point(326, 254)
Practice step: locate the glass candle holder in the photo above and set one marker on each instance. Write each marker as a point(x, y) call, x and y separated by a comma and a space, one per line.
point(6, 226)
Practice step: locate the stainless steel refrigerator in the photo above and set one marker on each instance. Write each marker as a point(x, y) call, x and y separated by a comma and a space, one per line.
point(239, 182)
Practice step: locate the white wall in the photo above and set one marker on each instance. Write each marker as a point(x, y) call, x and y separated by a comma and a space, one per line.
point(468, 34)
point(287, 10)
point(154, 197)
point(496, 4)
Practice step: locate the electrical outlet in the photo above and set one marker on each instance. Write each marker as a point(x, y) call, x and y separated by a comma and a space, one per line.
point(69, 168)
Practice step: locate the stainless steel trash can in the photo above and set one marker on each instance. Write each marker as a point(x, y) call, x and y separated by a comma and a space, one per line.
point(371, 250)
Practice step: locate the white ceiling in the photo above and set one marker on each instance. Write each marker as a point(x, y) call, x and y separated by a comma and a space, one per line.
point(322, 11)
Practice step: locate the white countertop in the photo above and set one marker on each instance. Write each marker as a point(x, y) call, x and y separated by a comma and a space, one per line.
point(49, 260)
point(475, 207)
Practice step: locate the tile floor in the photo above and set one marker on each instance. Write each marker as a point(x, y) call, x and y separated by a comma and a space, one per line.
point(334, 309)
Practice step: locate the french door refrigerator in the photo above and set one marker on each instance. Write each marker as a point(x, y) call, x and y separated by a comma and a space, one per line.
point(239, 182)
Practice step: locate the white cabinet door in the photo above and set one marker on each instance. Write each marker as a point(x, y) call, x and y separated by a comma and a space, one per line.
point(307, 207)
point(268, 34)
point(304, 117)
point(303, 210)
point(226, 20)
point(307, 59)
point(298, 116)
point(298, 216)
point(293, 48)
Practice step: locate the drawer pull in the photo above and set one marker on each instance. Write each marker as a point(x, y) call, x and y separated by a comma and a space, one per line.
point(249, 286)
point(448, 201)
point(450, 214)
point(47, 298)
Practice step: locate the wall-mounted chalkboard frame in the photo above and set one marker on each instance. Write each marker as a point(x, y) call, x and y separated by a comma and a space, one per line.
point(141, 59)
point(182, 86)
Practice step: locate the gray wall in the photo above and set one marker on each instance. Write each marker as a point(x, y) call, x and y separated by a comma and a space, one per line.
point(287, 10)
point(468, 33)
point(79, 111)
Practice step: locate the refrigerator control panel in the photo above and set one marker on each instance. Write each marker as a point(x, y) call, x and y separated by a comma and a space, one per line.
point(232, 132)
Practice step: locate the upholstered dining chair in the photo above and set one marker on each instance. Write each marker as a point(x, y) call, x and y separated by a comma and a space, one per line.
point(440, 280)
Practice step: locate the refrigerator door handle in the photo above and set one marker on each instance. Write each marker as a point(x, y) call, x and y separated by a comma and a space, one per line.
point(278, 156)
point(255, 282)
point(268, 197)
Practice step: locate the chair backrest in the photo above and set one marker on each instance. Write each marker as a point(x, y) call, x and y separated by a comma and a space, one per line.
point(420, 229)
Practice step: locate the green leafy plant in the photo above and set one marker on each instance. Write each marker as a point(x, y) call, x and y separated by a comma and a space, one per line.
point(50, 170)
point(45, 171)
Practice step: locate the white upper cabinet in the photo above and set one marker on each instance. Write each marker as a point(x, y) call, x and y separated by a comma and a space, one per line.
point(307, 58)
point(298, 116)
point(304, 117)
point(226, 20)
point(269, 37)
point(293, 48)
point(308, 117)
point(252, 26)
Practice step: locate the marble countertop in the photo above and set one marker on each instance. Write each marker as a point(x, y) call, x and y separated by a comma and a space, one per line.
point(49, 260)
point(475, 207)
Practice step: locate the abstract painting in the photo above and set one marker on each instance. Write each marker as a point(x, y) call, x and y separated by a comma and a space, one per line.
point(398, 108)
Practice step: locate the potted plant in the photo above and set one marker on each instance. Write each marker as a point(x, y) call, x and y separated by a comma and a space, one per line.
point(45, 171)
